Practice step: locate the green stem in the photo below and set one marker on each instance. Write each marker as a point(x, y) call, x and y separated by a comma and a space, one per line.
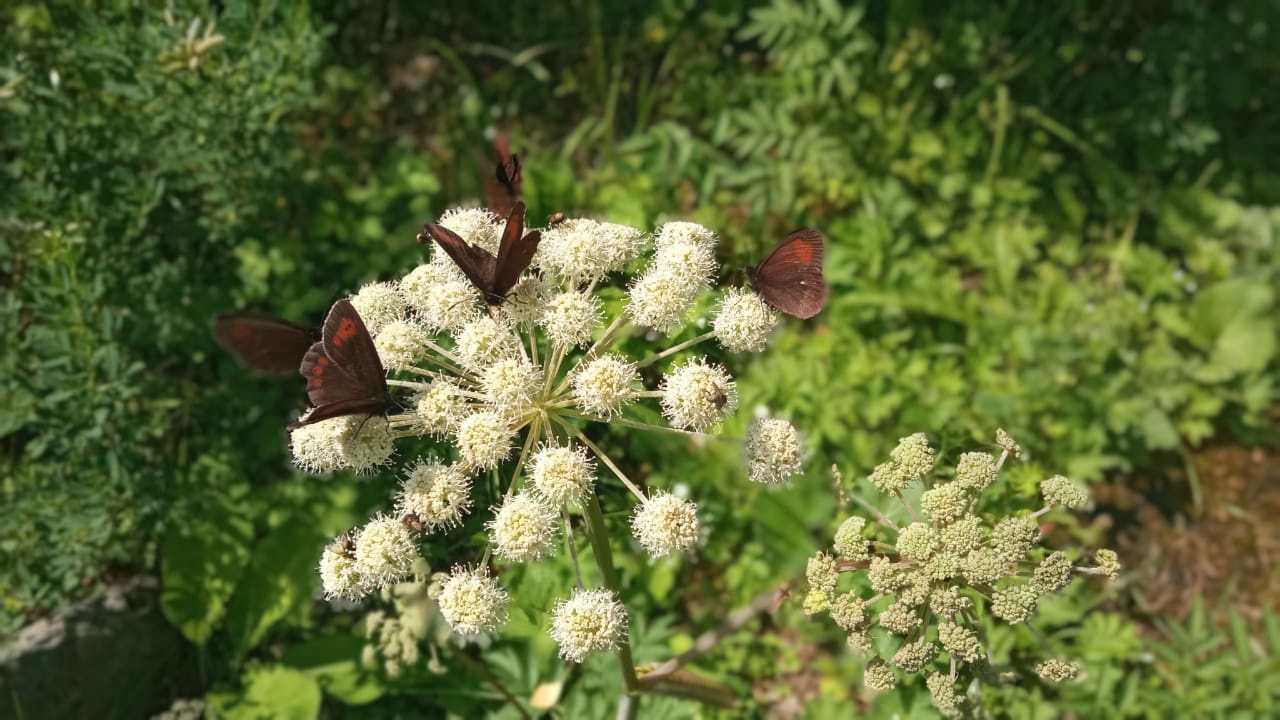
point(675, 349)
point(604, 560)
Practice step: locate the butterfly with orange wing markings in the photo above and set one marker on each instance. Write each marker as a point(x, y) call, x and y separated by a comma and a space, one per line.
point(263, 343)
point(493, 276)
point(503, 189)
point(790, 278)
point(343, 372)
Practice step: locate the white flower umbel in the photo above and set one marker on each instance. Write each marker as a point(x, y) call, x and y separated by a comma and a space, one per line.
point(698, 395)
point(353, 442)
point(438, 495)
point(384, 551)
point(378, 304)
point(744, 321)
point(590, 621)
point(665, 524)
point(472, 602)
point(773, 451)
point(562, 474)
point(512, 387)
point(523, 528)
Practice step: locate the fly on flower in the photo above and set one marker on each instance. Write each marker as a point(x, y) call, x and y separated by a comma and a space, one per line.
point(493, 277)
point(343, 372)
point(261, 342)
point(790, 278)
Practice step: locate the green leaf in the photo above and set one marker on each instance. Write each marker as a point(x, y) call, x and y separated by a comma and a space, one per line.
point(334, 662)
point(200, 562)
point(278, 583)
point(279, 693)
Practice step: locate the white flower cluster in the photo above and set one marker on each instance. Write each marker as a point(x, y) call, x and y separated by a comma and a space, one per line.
point(511, 386)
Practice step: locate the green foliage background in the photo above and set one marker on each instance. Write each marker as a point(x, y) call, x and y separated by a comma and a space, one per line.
point(1056, 218)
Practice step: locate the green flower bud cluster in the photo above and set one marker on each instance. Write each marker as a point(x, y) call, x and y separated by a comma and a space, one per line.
point(933, 572)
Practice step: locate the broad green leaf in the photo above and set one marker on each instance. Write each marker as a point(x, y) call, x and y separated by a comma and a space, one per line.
point(334, 662)
point(201, 561)
point(278, 582)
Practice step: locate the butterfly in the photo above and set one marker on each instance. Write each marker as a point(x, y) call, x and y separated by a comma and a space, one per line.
point(493, 277)
point(503, 189)
point(790, 278)
point(343, 372)
point(261, 342)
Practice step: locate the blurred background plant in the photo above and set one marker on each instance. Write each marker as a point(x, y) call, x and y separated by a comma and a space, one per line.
point(1061, 220)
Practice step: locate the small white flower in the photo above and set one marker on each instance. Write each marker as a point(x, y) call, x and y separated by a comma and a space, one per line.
point(773, 451)
point(399, 343)
point(338, 573)
point(660, 300)
point(483, 342)
point(684, 233)
point(584, 250)
point(665, 524)
point(439, 408)
point(744, 321)
point(384, 552)
point(697, 395)
point(443, 299)
point(602, 386)
point(379, 303)
point(476, 226)
point(562, 474)
point(511, 382)
point(590, 621)
point(523, 528)
point(357, 442)
point(438, 494)
point(472, 602)
point(694, 265)
point(484, 439)
point(527, 301)
point(570, 317)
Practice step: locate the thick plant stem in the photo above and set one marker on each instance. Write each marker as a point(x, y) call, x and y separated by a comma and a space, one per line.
point(604, 560)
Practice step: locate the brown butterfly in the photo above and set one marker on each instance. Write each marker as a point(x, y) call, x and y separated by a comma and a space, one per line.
point(261, 342)
point(504, 188)
point(790, 278)
point(343, 372)
point(493, 277)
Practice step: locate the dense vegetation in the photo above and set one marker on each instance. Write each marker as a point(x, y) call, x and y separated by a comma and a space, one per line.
point(1060, 219)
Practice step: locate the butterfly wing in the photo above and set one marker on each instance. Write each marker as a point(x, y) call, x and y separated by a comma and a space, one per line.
point(503, 188)
point(514, 253)
point(790, 278)
point(343, 372)
point(262, 343)
point(474, 261)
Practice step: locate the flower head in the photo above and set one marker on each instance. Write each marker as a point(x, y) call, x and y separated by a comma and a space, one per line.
point(584, 250)
point(1059, 491)
point(439, 407)
point(355, 442)
point(570, 316)
point(772, 450)
point(1057, 670)
point(338, 572)
point(914, 457)
point(698, 395)
point(527, 301)
point(523, 528)
point(443, 299)
point(849, 543)
point(603, 385)
point(976, 471)
point(665, 524)
point(384, 552)
point(590, 621)
point(484, 439)
point(476, 226)
point(483, 342)
point(399, 342)
point(744, 321)
point(472, 602)
point(562, 474)
point(379, 303)
point(439, 495)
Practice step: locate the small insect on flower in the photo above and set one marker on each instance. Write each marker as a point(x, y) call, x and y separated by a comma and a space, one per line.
point(555, 219)
point(338, 572)
point(698, 395)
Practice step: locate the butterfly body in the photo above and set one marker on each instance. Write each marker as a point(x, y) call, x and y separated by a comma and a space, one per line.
point(790, 278)
point(492, 276)
point(343, 372)
point(263, 343)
